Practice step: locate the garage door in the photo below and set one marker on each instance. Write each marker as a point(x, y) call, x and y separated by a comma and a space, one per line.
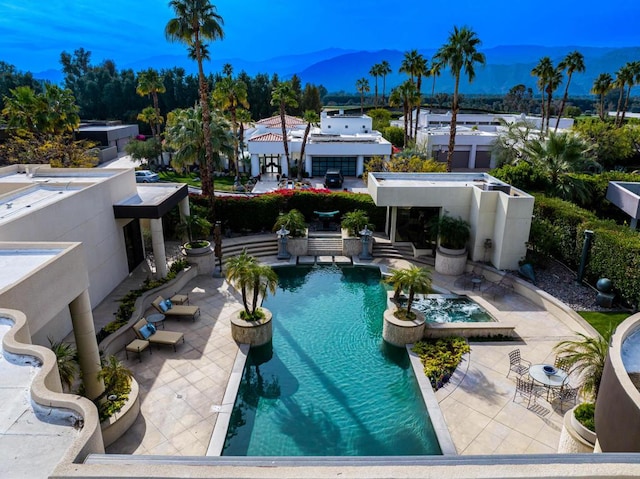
point(483, 159)
point(460, 159)
point(346, 164)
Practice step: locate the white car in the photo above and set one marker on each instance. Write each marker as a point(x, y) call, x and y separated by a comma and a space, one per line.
point(146, 176)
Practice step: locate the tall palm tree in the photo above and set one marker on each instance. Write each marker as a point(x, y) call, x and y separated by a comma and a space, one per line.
point(312, 118)
point(375, 73)
point(408, 66)
point(624, 77)
point(460, 54)
point(197, 21)
point(150, 83)
point(244, 117)
point(602, 85)
point(573, 62)
point(150, 116)
point(227, 69)
point(385, 69)
point(362, 85)
point(634, 79)
point(229, 95)
point(434, 72)
point(544, 70)
point(420, 70)
point(283, 96)
point(404, 95)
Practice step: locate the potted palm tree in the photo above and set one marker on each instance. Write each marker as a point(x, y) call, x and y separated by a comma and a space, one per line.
point(403, 325)
point(251, 324)
point(451, 254)
point(195, 228)
point(586, 357)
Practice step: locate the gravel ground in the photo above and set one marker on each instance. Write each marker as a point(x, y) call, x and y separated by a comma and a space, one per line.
point(559, 281)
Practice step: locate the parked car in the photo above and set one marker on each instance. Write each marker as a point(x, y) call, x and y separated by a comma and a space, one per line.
point(146, 176)
point(333, 179)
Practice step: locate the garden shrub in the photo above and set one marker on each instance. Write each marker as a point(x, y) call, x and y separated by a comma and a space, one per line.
point(440, 357)
point(585, 414)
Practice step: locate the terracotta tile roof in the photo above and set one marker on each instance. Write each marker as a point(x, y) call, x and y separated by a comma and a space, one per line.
point(267, 137)
point(289, 121)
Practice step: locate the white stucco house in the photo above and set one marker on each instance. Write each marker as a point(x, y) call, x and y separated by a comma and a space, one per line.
point(475, 135)
point(341, 141)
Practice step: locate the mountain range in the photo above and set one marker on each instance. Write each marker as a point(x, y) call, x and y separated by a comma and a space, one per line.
point(338, 69)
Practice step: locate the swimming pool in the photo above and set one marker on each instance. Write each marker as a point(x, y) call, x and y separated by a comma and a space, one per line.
point(448, 308)
point(328, 385)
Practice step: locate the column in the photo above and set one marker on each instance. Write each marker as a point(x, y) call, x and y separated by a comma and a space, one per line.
point(86, 344)
point(183, 206)
point(255, 165)
point(472, 156)
point(157, 241)
point(360, 165)
point(394, 221)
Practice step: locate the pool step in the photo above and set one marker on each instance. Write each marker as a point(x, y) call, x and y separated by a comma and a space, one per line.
point(324, 246)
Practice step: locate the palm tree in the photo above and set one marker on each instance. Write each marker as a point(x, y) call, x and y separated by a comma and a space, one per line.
point(624, 77)
point(420, 70)
point(545, 71)
point(459, 54)
point(66, 356)
point(385, 69)
point(404, 95)
point(198, 20)
point(434, 71)
point(375, 73)
point(396, 279)
point(573, 62)
point(150, 83)
point(185, 134)
point(245, 272)
point(362, 85)
point(415, 279)
point(586, 356)
point(312, 118)
point(414, 65)
point(244, 117)
point(602, 85)
point(283, 95)
point(229, 95)
point(227, 69)
point(634, 79)
point(116, 376)
point(555, 157)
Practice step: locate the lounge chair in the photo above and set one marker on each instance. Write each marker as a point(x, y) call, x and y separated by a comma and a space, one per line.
point(170, 338)
point(175, 310)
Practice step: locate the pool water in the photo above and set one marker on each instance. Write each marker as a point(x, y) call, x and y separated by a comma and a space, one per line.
point(442, 308)
point(328, 385)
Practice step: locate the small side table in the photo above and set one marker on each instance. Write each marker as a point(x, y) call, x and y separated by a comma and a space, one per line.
point(137, 346)
point(156, 318)
point(476, 283)
point(180, 299)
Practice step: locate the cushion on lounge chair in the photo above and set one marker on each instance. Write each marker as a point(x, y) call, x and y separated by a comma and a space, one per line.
point(158, 337)
point(147, 331)
point(177, 310)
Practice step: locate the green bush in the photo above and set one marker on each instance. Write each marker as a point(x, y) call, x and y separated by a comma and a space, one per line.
point(585, 414)
point(440, 357)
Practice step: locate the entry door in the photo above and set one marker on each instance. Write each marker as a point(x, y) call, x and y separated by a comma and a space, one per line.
point(133, 244)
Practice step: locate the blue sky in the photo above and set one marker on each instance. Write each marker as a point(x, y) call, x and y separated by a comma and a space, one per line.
point(35, 32)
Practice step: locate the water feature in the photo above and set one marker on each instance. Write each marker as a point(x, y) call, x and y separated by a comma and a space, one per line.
point(446, 308)
point(328, 385)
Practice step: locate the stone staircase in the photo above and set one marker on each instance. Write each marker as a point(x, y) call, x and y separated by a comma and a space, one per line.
point(325, 246)
point(259, 246)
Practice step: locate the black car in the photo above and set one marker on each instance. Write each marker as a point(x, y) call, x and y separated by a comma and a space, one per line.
point(333, 179)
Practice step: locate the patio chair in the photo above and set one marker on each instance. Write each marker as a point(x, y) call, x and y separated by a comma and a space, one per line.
point(175, 310)
point(527, 390)
point(562, 362)
point(517, 364)
point(566, 394)
point(144, 332)
point(471, 279)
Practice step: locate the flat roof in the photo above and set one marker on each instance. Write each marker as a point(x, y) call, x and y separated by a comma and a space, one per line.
point(23, 201)
point(396, 180)
point(151, 200)
point(16, 264)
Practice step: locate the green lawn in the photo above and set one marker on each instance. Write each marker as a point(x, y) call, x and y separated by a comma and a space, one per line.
point(221, 183)
point(602, 322)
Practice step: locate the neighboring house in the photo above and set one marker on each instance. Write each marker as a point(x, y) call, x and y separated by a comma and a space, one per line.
point(111, 136)
point(475, 135)
point(344, 142)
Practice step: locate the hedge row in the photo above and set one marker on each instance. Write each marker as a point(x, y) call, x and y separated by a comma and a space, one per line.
point(615, 251)
point(259, 213)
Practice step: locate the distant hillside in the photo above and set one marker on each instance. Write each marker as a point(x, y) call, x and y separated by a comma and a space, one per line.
point(338, 69)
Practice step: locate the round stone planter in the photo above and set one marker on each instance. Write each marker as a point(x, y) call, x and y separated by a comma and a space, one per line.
point(575, 438)
point(197, 251)
point(114, 427)
point(254, 333)
point(451, 262)
point(400, 332)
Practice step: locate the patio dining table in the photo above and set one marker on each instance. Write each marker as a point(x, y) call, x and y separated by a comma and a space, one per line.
point(548, 375)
